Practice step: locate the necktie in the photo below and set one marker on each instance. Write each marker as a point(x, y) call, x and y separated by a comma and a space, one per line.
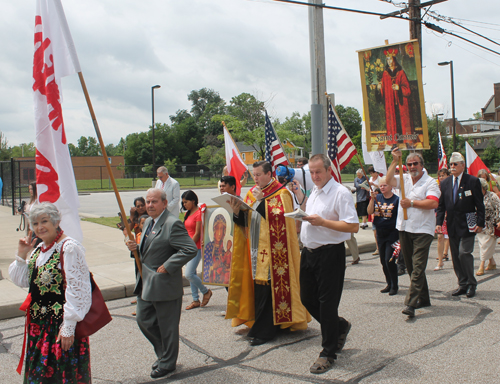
point(455, 189)
point(146, 234)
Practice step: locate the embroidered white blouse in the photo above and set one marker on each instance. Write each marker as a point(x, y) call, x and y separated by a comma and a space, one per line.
point(78, 288)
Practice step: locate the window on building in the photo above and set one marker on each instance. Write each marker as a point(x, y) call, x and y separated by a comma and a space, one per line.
point(448, 130)
point(474, 128)
point(243, 156)
point(256, 156)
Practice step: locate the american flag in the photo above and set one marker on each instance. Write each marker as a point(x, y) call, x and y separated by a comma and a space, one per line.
point(340, 147)
point(274, 152)
point(443, 161)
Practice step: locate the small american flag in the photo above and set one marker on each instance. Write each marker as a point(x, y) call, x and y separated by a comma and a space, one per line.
point(441, 155)
point(274, 152)
point(340, 147)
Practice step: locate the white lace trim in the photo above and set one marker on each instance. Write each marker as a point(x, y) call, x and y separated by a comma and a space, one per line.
point(67, 330)
point(78, 288)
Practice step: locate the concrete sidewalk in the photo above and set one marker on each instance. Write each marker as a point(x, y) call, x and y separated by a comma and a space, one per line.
point(106, 255)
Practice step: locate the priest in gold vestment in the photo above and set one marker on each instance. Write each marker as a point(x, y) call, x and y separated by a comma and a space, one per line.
point(264, 290)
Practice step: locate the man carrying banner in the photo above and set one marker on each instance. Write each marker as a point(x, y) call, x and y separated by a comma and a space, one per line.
point(264, 286)
point(417, 232)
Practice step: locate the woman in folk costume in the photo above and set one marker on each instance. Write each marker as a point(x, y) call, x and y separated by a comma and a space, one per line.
point(264, 287)
point(59, 299)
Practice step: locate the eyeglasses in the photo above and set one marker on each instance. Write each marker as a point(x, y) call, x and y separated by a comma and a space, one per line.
point(414, 164)
point(454, 164)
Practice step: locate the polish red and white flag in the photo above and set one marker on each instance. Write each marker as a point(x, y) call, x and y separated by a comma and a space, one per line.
point(235, 165)
point(54, 58)
point(474, 162)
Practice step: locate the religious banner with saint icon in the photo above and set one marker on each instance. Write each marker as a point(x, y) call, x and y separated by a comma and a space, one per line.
point(393, 97)
point(217, 249)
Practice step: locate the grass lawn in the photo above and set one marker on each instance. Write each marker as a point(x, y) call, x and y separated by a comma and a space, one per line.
point(142, 183)
point(111, 221)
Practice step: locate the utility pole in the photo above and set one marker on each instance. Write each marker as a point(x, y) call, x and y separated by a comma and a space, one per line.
point(415, 23)
point(319, 110)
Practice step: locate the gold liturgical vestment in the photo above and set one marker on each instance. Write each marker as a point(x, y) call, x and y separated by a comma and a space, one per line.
point(277, 262)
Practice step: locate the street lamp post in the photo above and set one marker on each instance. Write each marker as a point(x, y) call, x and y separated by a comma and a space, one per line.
point(437, 121)
point(153, 125)
point(450, 63)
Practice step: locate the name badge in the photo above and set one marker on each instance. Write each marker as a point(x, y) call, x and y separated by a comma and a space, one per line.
point(468, 193)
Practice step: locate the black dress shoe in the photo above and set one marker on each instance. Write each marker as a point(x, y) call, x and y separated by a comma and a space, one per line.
point(459, 291)
point(385, 290)
point(401, 271)
point(155, 365)
point(409, 310)
point(256, 341)
point(471, 292)
point(393, 292)
point(160, 372)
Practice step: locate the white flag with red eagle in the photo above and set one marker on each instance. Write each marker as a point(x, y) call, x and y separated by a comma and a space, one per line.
point(54, 58)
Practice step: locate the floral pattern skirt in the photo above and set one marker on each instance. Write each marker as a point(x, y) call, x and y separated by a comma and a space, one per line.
point(46, 362)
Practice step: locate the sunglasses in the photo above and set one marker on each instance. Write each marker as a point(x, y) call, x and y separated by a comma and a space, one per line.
point(454, 164)
point(414, 164)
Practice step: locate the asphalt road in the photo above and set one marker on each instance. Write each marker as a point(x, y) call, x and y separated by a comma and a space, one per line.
point(104, 204)
point(456, 340)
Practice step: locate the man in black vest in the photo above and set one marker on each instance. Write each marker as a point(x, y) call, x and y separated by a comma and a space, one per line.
point(462, 200)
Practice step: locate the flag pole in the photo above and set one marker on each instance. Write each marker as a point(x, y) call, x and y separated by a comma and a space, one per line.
point(74, 58)
point(224, 124)
point(108, 166)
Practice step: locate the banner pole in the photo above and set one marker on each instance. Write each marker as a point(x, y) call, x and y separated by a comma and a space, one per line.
point(108, 166)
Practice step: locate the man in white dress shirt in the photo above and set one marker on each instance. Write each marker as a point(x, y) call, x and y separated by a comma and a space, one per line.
point(415, 234)
point(171, 188)
point(331, 219)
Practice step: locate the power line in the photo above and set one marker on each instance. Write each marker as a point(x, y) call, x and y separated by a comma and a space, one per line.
point(338, 8)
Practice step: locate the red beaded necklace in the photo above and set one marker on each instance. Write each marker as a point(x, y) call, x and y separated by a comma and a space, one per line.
point(55, 241)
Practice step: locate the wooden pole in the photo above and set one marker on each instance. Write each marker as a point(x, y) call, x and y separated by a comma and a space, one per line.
point(402, 186)
point(108, 166)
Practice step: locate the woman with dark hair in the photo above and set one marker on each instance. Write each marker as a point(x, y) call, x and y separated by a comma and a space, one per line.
point(192, 222)
point(60, 297)
point(33, 196)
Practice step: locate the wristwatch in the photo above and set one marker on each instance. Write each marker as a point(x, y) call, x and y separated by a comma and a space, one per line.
point(411, 204)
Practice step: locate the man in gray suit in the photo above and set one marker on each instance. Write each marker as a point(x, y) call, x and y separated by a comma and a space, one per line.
point(165, 247)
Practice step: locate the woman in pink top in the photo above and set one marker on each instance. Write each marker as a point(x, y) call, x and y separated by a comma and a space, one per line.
point(192, 222)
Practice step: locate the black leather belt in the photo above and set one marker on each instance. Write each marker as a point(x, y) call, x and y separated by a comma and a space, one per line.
point(319, 249)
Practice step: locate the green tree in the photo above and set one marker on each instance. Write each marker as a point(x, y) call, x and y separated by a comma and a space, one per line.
point(491, 154)
point(296, 129)
point(5, 153)
point(23, 150)
point(350, 118)
point(212, 155)
point(88, 146)
point(245, 120)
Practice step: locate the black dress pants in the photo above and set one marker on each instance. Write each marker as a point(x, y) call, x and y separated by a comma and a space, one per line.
point(263, 327)
point(322, 273)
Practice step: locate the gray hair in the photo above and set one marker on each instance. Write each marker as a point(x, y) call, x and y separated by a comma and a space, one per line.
point(45, 208)
point(483, 172)
point(162, 169)
point(321, 157)
point(359, 171)
point(484, 184)
point(416, 154)
point(162, 193)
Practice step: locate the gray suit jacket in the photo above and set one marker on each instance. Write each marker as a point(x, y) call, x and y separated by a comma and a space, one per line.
point(169, 245)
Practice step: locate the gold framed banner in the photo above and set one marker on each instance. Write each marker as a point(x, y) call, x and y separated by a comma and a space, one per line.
point(217, 250)
point(393, 97)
